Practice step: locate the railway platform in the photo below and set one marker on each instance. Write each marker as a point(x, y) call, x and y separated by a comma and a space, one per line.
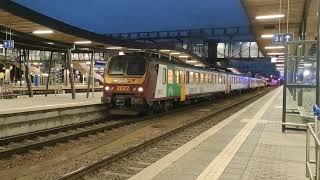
point(247, 145)
point(42, 103)
point(25, 115)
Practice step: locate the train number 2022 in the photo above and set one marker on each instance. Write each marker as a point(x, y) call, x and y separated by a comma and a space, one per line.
point(122, 88)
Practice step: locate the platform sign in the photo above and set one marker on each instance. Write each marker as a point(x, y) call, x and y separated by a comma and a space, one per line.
point(281, 38)
point(288, 37)
point(8, 44)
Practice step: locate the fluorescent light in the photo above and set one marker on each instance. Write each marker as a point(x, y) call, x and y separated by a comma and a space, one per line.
point(88, 62)
point(121, 53)
point(183, 56)
point(273, 60)
point(165, 50)
point(191, 61)
point(275, 16)
point(277, 53)
point(267, 36)
point(51, 43)
point(82, 42)
point(199, 65)
point(114, 48)
point(175, 53)
point(1, 45)
point(274, 47)
point(43, 32)
point(307, 64)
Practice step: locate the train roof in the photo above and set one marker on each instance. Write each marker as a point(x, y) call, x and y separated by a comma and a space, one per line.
point(174, 62)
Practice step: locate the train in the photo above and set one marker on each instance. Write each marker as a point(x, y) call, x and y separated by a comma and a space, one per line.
point(136, 83)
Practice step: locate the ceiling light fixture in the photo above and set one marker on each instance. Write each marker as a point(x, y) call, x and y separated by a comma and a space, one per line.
point(275, 16)
point(165, 50)
point(274, 47)
point(82, 42)
point(175, 53)
point(43, 32)
point(276, 53)
point(191, 61)
point(199, 65)
point(267, 36)
point(114, 48)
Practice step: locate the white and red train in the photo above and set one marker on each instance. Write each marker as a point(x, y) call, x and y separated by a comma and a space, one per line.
point(135, 83)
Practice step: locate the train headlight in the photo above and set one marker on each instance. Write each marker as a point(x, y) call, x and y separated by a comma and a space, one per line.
point(107, 88)
point(140, 89)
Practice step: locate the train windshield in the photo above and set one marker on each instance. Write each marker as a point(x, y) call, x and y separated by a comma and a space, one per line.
point(131, 65)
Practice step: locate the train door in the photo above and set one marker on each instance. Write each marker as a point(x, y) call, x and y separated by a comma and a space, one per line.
point(161, 86)
point(183, 85)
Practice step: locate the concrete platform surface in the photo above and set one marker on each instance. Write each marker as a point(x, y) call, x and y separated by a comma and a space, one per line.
point(40, 102)
point(248, 145)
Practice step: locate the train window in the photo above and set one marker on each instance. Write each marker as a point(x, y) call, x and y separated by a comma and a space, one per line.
point(177, 73)
point(191, 79)
point(196, 78)
point(201, 78)
point(206, 78)
point(117, 66)
point(182, 77)
point(187, 77)
point(134, 65)
point(170, 76)
point(164, 76)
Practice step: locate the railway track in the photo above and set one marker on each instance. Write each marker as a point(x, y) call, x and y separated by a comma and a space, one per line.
point(130, 161)
point(39, 139)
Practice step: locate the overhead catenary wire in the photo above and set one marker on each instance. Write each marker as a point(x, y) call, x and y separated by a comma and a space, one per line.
point(280, 11)
point(288, 12)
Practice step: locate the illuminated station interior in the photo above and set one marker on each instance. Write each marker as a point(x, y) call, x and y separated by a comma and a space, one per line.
point(142, 90)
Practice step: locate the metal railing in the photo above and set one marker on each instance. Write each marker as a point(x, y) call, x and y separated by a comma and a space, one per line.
point(312, 130)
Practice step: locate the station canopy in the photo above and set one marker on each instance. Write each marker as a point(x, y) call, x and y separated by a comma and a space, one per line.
point(34, 30)
point(268, 17)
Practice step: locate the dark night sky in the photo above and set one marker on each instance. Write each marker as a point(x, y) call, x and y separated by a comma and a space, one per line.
point(112, 16)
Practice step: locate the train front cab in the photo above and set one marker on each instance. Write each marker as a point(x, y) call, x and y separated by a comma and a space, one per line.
point(125, 84)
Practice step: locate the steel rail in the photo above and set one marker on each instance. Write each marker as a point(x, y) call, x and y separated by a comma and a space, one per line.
point(109, 159)
point(21, 147)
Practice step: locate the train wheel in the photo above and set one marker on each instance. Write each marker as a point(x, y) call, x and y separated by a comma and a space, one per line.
point(154, 108)
point(164, 106)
